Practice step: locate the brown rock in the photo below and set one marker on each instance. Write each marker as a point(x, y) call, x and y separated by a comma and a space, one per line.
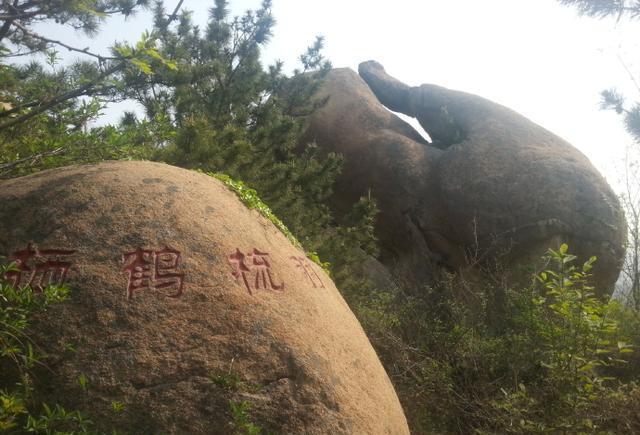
point(492, 184)
point(383, 155)
point(158, 322)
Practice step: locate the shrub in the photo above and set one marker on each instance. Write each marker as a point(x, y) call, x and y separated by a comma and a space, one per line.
point(554, 360)
point(19, 412)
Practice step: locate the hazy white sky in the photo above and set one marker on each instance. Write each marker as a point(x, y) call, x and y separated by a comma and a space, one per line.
point(534, 56)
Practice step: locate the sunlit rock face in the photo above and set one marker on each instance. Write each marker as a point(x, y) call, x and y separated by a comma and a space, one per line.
point(492, 187)
point(184, 303)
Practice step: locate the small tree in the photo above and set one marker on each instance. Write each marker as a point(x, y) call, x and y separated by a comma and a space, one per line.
point(45, 107)
point(579, 339)
point(17, 38)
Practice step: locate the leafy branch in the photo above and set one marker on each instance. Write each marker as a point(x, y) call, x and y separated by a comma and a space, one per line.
point(8, 167)
point(46, 40)
point(126, 57)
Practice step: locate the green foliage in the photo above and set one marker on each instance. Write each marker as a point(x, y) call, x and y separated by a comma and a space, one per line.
point(351, 247)
point(46, 108)
point(18, 410)
point(241, 419)
point(57, 421)
point(552, 361)
point(33, 82)
point(251, 199)
point(143, 53)
point(575, 339)
point(613, 100)
point(229, 381)
point(82, 15)
point(117, 406)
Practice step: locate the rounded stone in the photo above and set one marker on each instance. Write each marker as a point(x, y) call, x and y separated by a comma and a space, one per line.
point(491, 191)
point(189, 312)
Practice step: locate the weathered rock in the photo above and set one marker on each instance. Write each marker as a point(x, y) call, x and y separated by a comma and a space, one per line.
point(383, 155)
point(184, 301)
point(491, 184)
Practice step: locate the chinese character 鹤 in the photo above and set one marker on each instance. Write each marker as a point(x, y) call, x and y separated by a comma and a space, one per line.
point(312, 276)
point(38, 268)
point(153, 270)
point(254, 269)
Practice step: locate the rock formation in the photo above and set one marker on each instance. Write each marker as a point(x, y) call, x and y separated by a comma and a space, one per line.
point(184, 302)
point(491, 185)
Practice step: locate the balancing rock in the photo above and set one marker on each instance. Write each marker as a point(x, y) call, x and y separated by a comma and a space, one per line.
point(490, 187)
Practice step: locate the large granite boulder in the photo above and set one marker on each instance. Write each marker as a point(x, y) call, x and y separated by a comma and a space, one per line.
point(383, 155)
point(491, 187)
point(185, 304)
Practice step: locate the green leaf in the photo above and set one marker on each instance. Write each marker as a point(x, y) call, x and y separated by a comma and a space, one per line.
point(124, 50)
point(142, 65)
point(152, 52)
point(83, 381)
point(171, 65)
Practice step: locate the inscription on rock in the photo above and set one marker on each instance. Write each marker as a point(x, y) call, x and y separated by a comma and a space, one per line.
point(39, 268)
point(153, 270)
point(311, 275)
point(254, 269)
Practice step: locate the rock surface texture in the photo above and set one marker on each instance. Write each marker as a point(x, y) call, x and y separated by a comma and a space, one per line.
point(491, 185)
point(184, 303)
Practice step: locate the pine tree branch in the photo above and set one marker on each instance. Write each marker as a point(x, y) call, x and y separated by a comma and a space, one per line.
point(15, 109)
point(4, 30)
point(631, 76)
point(26, 53)
point(16, 11)
point(62, 44)
point(18, 108)
point(8, 167)
point(30, 4)
point(19, 16)
point(602, 9)
point(82, 90)
point(22, 11)
point(174, 15)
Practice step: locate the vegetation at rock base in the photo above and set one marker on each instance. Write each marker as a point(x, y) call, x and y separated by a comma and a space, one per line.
point(556, 359)
point(19, 411)
point(561, 361)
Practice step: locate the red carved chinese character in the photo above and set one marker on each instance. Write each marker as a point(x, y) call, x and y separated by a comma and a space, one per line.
point(241, 269)
point(254, 269)
point(312, 276)
point(153, 270)
point(39, 267)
